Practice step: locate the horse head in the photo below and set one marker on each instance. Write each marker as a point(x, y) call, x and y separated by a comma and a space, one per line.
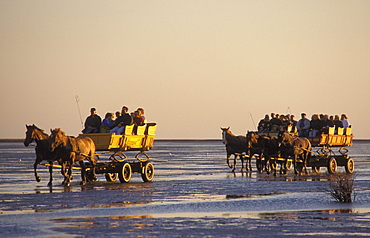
point(34, 133)
point(252, 138)
point(29, 138)
point(225, 131)
point(57, 138)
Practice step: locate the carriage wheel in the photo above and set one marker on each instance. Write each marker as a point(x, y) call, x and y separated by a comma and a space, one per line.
point(147, 173)
point(316, 169)
point(111, 177)
point(125, 174)
point(332, 166)
point(350, 166)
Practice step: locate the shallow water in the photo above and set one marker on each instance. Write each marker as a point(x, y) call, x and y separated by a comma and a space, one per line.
point(193, 194)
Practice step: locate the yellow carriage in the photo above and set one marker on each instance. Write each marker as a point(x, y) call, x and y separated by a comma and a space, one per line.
point(134, 138)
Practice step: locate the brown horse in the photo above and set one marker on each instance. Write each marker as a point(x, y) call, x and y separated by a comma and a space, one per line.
point(73, 149)
point(269, 147)
point(42, 149)
point(235, 145)
point(254, 147)
point(296, 147)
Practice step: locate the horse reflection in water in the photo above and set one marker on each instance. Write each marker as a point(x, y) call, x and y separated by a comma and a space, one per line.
point(73, 149)
point(235, 145)
point(43, 151)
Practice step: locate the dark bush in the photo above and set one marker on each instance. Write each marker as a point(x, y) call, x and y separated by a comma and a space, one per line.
point(341, 187)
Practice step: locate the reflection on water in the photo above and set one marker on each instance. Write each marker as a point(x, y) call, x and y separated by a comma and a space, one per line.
point(317, 214)
point(141, 222)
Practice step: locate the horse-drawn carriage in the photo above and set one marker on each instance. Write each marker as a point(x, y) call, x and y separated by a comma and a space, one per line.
point(324, 154)
point(134, 138)
point(68, 150)
point(268, 150)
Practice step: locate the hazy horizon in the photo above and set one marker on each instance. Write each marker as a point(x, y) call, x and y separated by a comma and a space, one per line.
point(194, 66)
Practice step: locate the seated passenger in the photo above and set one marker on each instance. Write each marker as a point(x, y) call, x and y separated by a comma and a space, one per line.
point(264, 124)
point(303, 125)
point(284, 123)
point(122, 121)
point(325, 124)
point(337, 123)
point(292, 119)
point(138, 118)
point(315, 126)
point(107, 123)
point(275, 122)
point(344, 120)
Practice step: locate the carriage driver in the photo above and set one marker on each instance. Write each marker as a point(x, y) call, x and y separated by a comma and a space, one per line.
point(264, 124)
point(92, 123)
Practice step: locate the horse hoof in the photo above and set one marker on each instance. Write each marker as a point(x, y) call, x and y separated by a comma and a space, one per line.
point(82, 183)
point(38, 179)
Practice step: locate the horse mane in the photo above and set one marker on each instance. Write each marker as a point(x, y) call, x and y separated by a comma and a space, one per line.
point(39, 129)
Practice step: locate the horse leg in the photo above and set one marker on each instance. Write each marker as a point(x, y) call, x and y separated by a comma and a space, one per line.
point(228, 160)
point(242, 160)
point(249, 162)
point(93, 164)
point(63, 170)
point(305, 158)
point(38, 179)
point(235, 158)
point(70, 168)
point(267, 164)
point(295, 163)
point(51, 173)
point(83, 172)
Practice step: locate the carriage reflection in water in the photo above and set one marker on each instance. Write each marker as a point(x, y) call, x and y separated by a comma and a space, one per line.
point(134, 138)
point(327, 150)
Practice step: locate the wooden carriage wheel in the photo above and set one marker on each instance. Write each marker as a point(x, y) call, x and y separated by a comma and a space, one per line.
point(350, 166)
point(147, 173)
point(125, 174)
point(111, 177)
point(332, 165)
point(316, 169)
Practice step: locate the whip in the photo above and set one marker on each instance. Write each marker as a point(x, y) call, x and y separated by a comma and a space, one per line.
point(252, 120)
point(78, 106)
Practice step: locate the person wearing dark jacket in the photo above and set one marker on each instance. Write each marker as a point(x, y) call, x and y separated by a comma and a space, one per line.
point(92, 122)
point(264, 124)
point(122, 121)
point(315, 126)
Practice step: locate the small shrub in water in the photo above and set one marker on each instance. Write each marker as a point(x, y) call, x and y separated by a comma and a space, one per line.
point(341, 187)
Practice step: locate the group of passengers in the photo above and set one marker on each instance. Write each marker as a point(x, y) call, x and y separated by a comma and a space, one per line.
point(94, 124)
point(304, 127)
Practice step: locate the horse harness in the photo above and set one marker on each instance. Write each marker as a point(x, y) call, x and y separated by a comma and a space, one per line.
point(74, 146)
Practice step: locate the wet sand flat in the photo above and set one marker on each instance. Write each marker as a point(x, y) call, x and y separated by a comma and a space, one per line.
point(194, 194)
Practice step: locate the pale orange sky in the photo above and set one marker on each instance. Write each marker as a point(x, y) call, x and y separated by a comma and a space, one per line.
point(194, 66)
